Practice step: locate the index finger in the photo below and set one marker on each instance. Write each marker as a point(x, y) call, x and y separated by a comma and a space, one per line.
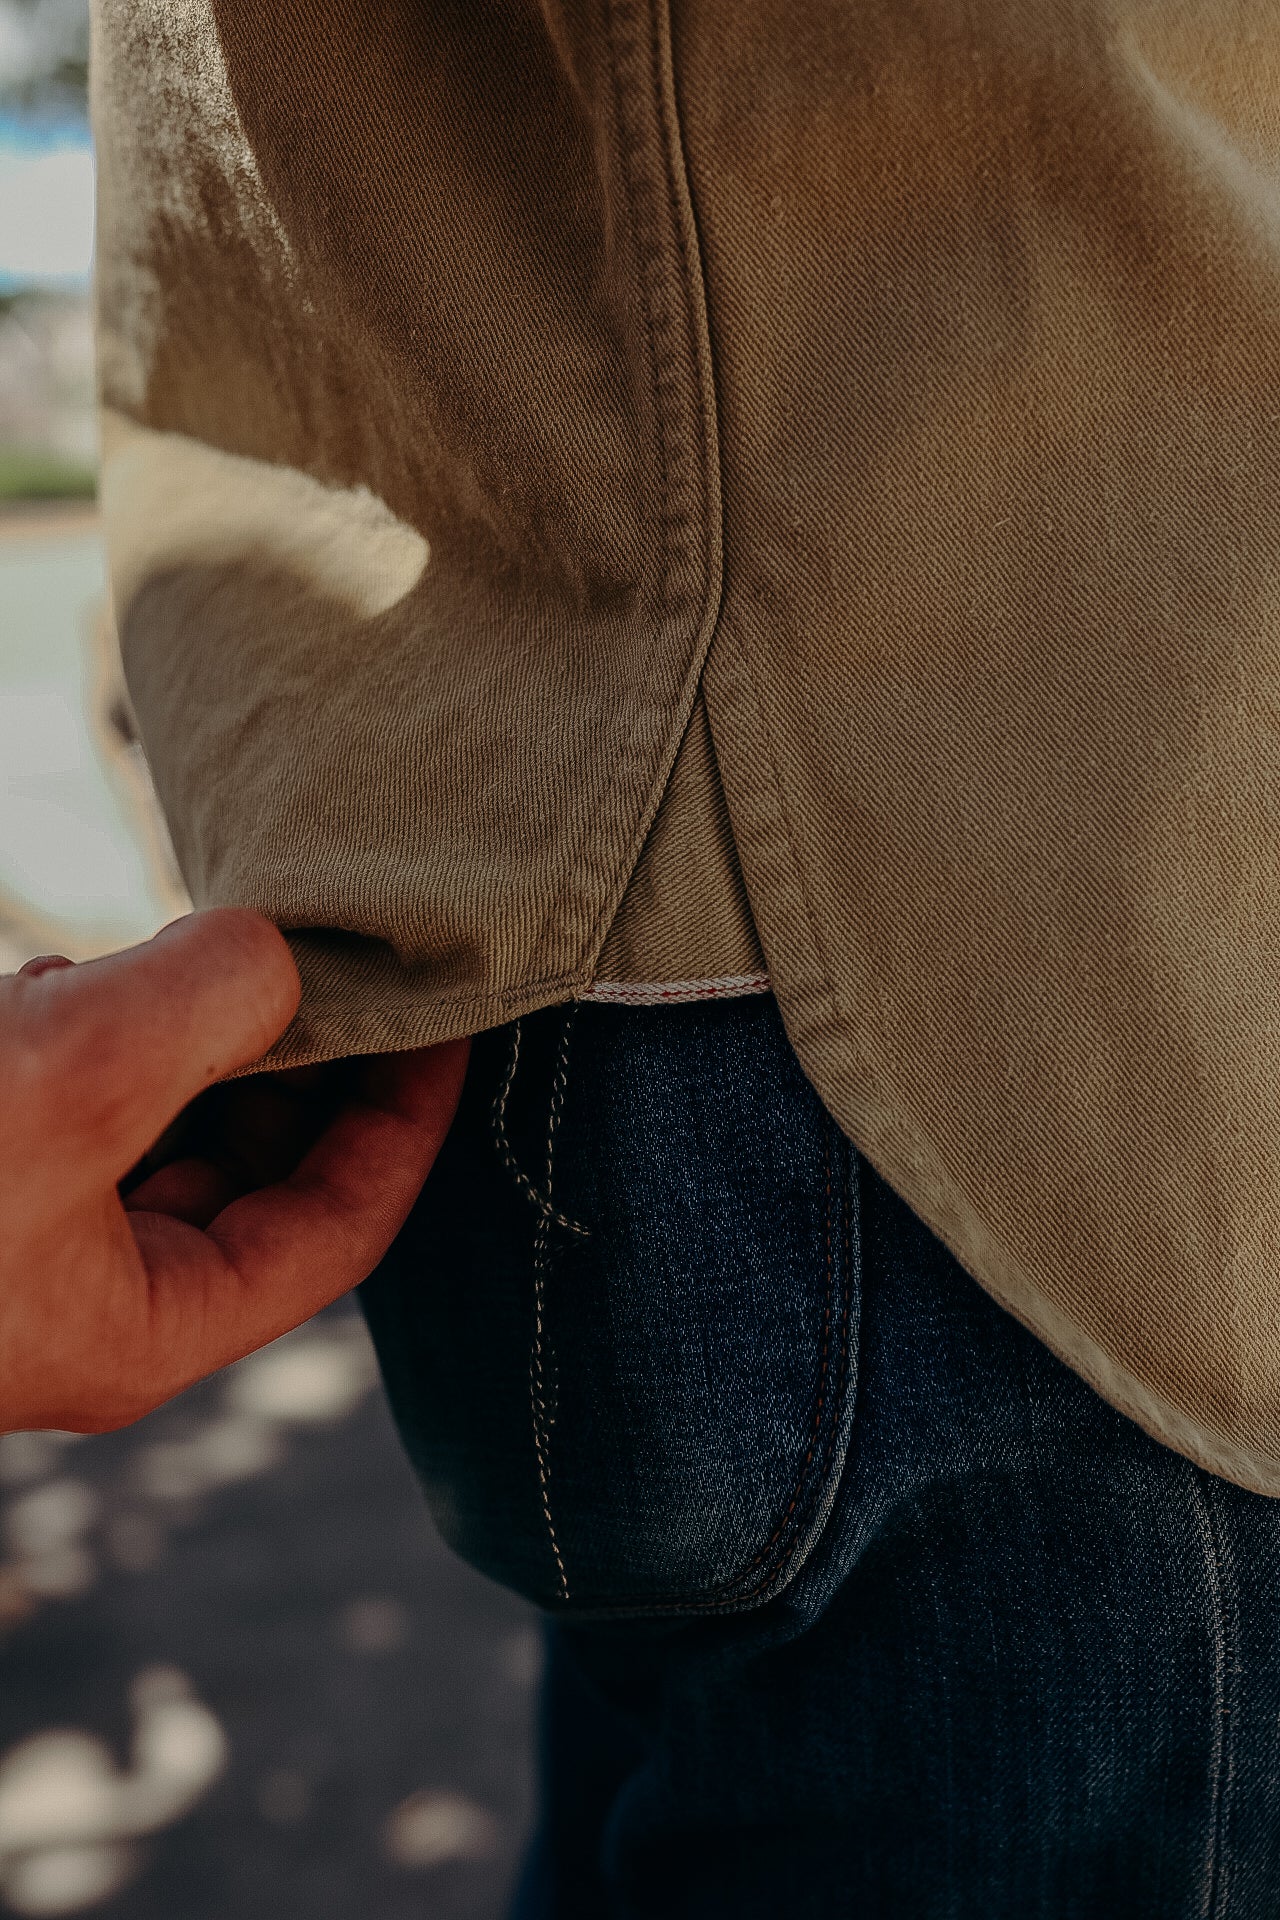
point(294, 1247)
point(111, 1050)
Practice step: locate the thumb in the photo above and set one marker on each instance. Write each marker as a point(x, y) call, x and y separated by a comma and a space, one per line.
point(120, 1045)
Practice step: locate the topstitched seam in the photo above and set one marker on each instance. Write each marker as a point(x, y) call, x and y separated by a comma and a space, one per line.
point(537, 1197)
point(662, 356)
point(542, 1395)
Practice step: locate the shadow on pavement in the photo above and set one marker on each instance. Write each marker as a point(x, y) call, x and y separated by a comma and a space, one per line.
point(240, 1677)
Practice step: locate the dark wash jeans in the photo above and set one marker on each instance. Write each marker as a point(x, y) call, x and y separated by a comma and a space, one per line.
point(862, 1603)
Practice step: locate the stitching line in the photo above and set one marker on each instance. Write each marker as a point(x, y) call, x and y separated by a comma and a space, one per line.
point(542, 1393)
point(676, 520)
point(538, 1199)
point(661, 993)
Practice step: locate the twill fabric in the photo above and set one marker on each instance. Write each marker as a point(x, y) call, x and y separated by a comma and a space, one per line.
point(608, 490)
point(859, 1600)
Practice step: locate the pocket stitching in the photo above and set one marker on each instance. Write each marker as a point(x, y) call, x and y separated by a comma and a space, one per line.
point(542, 1355)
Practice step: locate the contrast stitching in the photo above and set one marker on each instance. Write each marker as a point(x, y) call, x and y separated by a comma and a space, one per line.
point(664, 993)
point(541, 1200)
point(542, 1402)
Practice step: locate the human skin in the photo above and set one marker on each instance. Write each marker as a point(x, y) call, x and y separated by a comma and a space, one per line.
point(129, 1271)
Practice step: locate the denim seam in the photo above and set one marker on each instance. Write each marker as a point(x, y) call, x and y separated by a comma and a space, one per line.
point(537, 1197)
point(541, 1359)
point(728, 1597)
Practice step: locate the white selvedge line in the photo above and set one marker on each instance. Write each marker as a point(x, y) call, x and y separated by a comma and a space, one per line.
point(659, 993)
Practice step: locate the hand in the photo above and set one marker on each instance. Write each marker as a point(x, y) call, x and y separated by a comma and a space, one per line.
point(109, 1306)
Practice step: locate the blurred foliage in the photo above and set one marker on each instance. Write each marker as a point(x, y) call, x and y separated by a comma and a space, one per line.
point(27, 473)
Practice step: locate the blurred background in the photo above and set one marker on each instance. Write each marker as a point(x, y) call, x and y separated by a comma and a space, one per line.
point(239, 1676)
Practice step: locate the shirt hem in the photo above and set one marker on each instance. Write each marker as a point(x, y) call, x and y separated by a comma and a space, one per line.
point(661, 993)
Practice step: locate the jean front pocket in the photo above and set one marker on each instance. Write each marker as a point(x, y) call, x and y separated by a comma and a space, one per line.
point(620, 1330)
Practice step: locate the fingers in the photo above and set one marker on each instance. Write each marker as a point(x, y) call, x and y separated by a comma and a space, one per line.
point(192, 1190)
point(116, 1047)
point(338, 1213)
point(274, 1257)
point(253, 1130)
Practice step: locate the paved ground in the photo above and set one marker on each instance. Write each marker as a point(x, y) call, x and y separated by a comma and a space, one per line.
point(278, 1696)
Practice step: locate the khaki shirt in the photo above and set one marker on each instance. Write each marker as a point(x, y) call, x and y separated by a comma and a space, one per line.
point(601, 489)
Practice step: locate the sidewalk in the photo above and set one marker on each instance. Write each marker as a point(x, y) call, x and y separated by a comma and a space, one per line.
point(348, 1707)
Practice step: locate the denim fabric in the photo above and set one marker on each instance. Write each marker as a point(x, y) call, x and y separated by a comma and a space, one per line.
point(1019, 1663)
point(641, 1406)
